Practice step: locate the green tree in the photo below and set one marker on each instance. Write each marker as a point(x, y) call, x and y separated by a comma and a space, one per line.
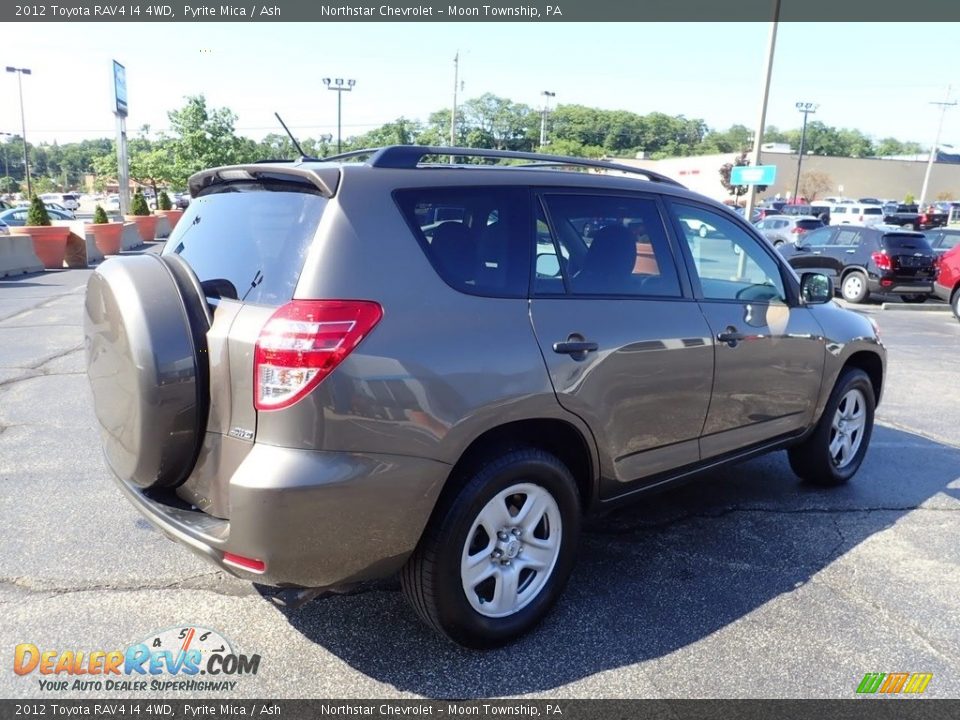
point(203, 137)
point(37, 214)
point(163, 202)
point(9, 185)
point(139, 204)
point(100, 216)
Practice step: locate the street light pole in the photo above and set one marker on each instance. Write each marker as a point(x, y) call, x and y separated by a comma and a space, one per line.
point(23, 125)
point(341, 86)
point(944, 106)
point(543, 116)
point(806, 108)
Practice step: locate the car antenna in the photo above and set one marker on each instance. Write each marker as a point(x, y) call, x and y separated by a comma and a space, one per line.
point(290, 134)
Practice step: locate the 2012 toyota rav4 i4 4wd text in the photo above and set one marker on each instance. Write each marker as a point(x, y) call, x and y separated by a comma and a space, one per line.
point(343, 370)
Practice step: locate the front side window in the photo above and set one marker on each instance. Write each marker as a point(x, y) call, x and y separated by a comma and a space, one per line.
point(609, 245)
point(731, 264)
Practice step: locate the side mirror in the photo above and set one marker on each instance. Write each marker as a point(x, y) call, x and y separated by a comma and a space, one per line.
point(816, 288)
point(548, 265)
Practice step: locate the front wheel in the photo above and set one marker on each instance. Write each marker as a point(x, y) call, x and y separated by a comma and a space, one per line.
point(854, 288)
point(496, 555)
point(836, 448)
point(955, 303)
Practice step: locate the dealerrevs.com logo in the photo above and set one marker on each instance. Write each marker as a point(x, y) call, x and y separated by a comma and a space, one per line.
point(182, 659)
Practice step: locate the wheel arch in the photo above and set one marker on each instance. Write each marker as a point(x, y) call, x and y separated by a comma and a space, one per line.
point(558, 437)
point(872, 365)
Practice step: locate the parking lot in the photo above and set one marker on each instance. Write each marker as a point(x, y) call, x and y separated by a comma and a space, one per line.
point(744, 584)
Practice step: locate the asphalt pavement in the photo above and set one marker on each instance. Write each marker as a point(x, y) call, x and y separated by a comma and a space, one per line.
point(744, 584)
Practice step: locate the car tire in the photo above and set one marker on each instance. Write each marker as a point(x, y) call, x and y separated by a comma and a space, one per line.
point(955, 303)
point(824, 458)
point(468, 578)
point(702, 232)
point(914, 298)
point(854, 288)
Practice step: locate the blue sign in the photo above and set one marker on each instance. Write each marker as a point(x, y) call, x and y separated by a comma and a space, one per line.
point(120, 88)
point(753, 175)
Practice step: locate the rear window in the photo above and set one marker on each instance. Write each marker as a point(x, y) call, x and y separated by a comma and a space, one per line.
point(477, 239)
point(906, 242)
point(839, 210)
point(247, 241)
point(872, 211)
point(809, 224)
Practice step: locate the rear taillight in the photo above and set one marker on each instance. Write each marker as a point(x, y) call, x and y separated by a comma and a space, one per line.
point(798, 231)
point(303, 342)
point(882, 260)
point(923, 219)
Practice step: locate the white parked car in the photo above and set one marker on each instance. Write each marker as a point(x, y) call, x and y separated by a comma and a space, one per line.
point(868, 215)
point(70, 201)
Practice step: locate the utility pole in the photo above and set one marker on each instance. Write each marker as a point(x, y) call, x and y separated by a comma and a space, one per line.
point(453, 115)
point(806, 108)
point(543, 116)
point(944, 106)
point(761, 121)
point(23, 125)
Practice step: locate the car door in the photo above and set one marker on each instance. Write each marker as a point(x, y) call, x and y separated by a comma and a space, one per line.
point(627, 347)
point(848, 248)
point(769, 350)
point(812, 253)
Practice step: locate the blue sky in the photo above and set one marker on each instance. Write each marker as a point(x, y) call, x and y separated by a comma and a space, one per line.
point(877, 77)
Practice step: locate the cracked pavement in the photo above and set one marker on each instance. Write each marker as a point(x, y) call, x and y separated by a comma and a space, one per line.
point(745, 583)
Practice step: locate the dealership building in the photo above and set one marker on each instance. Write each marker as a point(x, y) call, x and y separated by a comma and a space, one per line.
point(883, 178)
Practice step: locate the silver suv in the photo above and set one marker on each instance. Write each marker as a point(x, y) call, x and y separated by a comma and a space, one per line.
point(382, 363)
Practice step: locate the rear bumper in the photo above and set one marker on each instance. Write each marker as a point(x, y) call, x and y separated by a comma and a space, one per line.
point(900, 286)
point(316, 519)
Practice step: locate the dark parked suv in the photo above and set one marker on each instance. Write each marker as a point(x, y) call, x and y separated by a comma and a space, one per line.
point(386, 364)
point(864, 260)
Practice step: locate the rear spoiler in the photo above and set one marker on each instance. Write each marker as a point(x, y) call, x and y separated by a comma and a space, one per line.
point(325, 179)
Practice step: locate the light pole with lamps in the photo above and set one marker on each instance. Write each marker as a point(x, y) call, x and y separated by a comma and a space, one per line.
point(341, 86)
point(806, 108)
point(23, 125)
point(543, 116)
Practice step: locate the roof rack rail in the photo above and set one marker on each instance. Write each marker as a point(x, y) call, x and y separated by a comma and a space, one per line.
point(409, 157)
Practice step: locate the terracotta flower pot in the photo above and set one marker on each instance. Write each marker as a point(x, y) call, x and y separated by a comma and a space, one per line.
point(49, 243)
point(107, 236)
point(146, 225)
point(173, 216)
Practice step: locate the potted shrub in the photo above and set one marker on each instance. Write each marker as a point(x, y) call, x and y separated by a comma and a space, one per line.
point(49, 241)
point(107, 235)
point(146, 223)
point(165, 208)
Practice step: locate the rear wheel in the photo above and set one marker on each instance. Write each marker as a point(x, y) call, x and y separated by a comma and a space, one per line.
point(854, 287)
point(496, 555)
point(836, 448)
point(915, 298)
point(955, 303)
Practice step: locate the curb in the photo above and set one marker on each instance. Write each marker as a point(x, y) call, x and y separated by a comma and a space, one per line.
point(915, 308)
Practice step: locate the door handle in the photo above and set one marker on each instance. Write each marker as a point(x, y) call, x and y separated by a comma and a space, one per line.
point(575, 348)
point(850, 252)
point(730, 336)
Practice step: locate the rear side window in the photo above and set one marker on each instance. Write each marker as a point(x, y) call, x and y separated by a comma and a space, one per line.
point(872, 211)
point(247, 241)
point(477, 239)
point(906, 242)
point(809, 224)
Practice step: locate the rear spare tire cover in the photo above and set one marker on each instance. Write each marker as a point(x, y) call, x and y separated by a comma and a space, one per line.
point(145, 343)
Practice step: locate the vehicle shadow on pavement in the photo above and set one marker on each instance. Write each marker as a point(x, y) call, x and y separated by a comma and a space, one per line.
point(655, 577)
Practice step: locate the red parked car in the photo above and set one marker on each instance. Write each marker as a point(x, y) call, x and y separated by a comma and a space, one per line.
point(947, 285)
